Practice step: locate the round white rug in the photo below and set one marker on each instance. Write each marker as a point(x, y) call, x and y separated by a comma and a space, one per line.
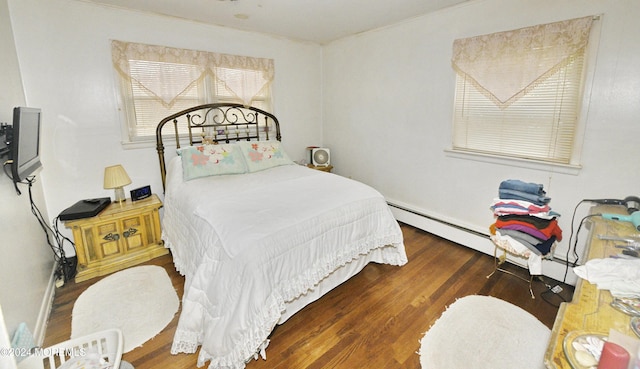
point(140, 301)
point(479, 332)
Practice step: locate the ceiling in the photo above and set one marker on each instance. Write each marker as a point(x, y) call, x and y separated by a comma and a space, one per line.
point(319, 21)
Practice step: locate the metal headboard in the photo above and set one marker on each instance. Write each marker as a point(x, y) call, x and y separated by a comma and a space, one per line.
point(216, 123)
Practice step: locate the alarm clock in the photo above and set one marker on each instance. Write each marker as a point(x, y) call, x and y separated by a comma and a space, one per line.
point(140, 193)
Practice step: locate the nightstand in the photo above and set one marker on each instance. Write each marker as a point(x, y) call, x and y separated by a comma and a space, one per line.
point(326, 168)
point(122, 235)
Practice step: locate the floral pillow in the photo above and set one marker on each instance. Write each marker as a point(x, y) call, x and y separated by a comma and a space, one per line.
point(211, 160)
point(261, 155)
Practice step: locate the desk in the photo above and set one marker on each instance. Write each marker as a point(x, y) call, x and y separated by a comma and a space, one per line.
point(590, 309)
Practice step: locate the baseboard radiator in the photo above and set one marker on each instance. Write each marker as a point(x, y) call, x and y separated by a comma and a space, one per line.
point(466, 236)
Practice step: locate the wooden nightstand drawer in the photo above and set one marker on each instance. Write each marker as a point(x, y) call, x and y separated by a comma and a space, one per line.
point(122, 235)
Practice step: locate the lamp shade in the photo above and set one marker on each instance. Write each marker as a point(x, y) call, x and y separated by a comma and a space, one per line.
point(115, 176)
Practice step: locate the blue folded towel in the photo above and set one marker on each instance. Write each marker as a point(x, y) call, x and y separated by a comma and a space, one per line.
point(518, 185)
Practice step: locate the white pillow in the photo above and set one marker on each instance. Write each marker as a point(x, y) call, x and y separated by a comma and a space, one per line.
point(261, 155)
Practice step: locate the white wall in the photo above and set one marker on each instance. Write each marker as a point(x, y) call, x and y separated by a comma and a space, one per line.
point(382, 101)
point(64, 52)
point(388, 103)
point(27, 261)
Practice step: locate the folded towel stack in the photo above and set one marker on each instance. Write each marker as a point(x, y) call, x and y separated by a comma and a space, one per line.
point(525, 223)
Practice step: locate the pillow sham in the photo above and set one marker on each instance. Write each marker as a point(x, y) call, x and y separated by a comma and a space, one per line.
point(211, 160)
point(261, 155)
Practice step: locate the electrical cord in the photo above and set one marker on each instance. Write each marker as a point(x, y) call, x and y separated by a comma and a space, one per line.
point(4, 168)
point(575, 243)
point(65, 267)
point(575, 253)
point(550, 292)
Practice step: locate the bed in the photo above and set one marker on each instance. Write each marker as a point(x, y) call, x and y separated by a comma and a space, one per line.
point(257, 236)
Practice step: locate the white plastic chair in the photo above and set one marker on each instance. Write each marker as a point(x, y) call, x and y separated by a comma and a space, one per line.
point(100, 350)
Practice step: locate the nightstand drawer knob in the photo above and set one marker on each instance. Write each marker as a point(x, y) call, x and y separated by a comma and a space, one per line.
point(130, 232)
point(111, 237)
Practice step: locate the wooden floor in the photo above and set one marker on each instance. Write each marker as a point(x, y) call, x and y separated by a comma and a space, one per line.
point(374, 320)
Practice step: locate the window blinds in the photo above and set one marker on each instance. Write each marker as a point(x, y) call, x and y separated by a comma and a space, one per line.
point(518, 92)
point(157, 81)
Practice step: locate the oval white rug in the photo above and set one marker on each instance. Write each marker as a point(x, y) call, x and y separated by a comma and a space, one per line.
point(141, 301)
point(479, 332)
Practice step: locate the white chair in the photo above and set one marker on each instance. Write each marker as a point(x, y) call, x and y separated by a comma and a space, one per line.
point(100, 350)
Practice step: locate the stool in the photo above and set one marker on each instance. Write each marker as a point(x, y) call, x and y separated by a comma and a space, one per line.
point(499, 260)
point(534, 261)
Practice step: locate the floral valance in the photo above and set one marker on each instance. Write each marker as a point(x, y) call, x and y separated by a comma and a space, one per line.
point(167, 72)
point(505, 65)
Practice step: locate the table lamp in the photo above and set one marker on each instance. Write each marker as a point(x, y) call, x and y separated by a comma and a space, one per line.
point(116, 177)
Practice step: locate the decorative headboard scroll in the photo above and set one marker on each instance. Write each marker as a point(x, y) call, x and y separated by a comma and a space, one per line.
point(215, 123)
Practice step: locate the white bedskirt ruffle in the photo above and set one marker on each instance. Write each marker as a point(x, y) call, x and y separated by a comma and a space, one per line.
point(235, 295)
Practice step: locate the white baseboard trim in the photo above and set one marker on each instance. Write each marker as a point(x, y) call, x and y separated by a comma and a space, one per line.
point(471, 238)
point(45, 309)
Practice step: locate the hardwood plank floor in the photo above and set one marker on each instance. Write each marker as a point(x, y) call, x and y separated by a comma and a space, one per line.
point(374, 320)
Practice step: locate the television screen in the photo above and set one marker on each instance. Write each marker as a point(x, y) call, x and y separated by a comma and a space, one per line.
point(25, 143)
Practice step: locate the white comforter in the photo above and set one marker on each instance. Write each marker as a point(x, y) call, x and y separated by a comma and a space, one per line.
point(248, 244)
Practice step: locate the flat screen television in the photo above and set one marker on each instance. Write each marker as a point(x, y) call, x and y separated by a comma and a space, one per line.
point(25, 143)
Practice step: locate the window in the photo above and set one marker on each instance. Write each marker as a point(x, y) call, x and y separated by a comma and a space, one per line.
point(157, 81)
point(518, 93)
